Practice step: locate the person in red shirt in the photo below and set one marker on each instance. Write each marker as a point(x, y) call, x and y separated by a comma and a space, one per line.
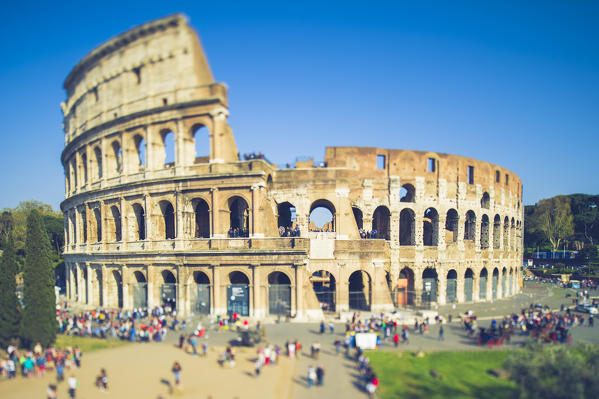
point(396, 339)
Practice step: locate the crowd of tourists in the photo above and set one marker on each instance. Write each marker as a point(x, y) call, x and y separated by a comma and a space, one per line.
point(237, 232)
point(369, 234)
point(39, 361)
point(287, 231)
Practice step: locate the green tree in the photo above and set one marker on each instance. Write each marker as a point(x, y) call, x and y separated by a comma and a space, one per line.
point(6, 225)
point(555, 371)
point(39, 300)
point(10, 316)
point(553, 217)
point(586, 215)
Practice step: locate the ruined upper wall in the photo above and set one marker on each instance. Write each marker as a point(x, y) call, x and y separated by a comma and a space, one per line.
point(154, 65)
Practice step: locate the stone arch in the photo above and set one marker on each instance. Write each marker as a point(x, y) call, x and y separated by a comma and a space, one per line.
point(117, 284)
point(139, 143)
point(238, 277)
point(513, 243)
point(495, 283)
point(286, 216)
point(452, 220)
point(429, 285)
point(201, 211)
point(238, 294)
point(470, 226)
point(359, 290)
point(168, 289)
point(97, 163)
point(279, 293)
point(407, 193)
point(430, 227)
point(485, 201)
point(381, 222)
point(168, 148)
point(510, 284)
point(166, 223)
point(200, 135)
point(497, 232)
point(358, 217)
point(407, 231)
point(405, 287)
point(322, 212)
point(484, 232)
point(468, 284)
point(503, 282)
point(115, 232)
point(140, 221)
point(139, 290)
point(98, 223)
point(117, 157)
point(200, 293)
point(482, 291)
point(325, 289)
point(83, 171)
point(451, 290)
point(506, 234)
point(239, 217)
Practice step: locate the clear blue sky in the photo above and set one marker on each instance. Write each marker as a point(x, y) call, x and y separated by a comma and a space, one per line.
point(514, 83)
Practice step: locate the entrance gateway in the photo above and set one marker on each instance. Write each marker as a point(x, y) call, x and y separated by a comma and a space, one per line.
point(238, 299)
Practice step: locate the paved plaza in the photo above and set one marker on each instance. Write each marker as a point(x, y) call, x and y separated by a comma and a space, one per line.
point(143, 370)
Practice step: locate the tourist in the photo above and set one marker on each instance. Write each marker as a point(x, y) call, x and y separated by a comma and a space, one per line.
point(72, 382)
point(319, 374)
point(298, 348)
point(102, 380)
point(441, 332)
point(396, 339)
point(311, 376)
point(177, 373)
point(322, 327)
point(51, 392)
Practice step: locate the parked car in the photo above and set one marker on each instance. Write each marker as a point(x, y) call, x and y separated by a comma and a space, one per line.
point(586, 308)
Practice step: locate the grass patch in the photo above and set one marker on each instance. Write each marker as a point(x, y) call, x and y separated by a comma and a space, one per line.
point(87, 344)
point(463, 375)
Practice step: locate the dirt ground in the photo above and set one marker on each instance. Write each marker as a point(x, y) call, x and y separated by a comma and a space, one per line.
point(143, 371)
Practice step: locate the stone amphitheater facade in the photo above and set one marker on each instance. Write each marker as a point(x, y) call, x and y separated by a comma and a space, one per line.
point(160, 209)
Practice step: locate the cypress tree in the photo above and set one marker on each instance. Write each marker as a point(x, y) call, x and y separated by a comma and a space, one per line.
point(10, 316)
point(39, 300)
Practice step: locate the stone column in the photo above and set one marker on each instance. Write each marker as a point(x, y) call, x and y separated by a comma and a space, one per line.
point(418, 286)
point(216, 229)
point(88, 291)
point(381, 297)
point(299, 292)
point(342, 286)
point(418, 228)
point(219, 303)
point(460, 283)
point(441, 287)
point(127, 290)
point(490, 284)
point(441, 232)
point(475, 286)
point(150, 287)
point(67, 276)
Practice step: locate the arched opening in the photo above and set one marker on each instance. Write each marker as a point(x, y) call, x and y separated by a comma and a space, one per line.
point(74, 227)
point(84, 168)
point(358, 216)
point(322, 216)
point(140, 150)
point(494, 283)
point(506, 234)
point(238, 294)
point(98, 224)
point(482, 291)
point(497, 232)
point(513, 236)
point(98, 155)
point(200, 301)
point(117, 153)
point(202, 219)
point(359, 291)
point(166, 224)
point(323, 284)
point(429, 286)
point(140, 290)
point(452, 220)
point(407, 233)
point(99, 287)
point(470, 226)
point(168, 142)
point(279, 294)
point(73, 175)
point(484, 232)
point(451, 292)
point(405, 287)
point(140, 222)
point(430, 227)
point(510, 286)
point(503, 282)
point(118, 287)
point(201, 144)
point(485, 201)
point(407, 193)
point(168, 291)
point(84, 225)
point(115, 224)
point(239, 217)
point(85, 284)
point(381, 223)
point(468, 284)
point(286, 220)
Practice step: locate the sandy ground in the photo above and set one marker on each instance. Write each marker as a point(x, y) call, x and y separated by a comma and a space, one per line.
point(143, 371)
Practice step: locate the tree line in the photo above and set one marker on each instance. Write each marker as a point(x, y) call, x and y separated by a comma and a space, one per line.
point(564, 221)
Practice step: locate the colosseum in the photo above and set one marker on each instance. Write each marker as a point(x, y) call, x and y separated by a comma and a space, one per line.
point(160, 209)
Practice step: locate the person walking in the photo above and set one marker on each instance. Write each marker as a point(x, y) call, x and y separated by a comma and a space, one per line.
point(396, 339)
point(591, 320)
point(72, 381)
point(319, 375)
point(51, 392)
point(177, 373)
point(311, 376)
point(441, 332)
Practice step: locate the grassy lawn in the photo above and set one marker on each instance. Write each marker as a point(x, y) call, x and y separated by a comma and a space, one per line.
point(463, 375)
point(88, 344)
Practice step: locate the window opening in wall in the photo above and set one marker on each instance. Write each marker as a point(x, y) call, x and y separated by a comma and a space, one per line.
point(168, 140)
point(485, 201)
point(164, 101)
point(84, 167)
point(137, 72)
point(201, 143)
point(507, 179)
point(239, 217)
point(497, 176)
point(470, 174)
point(470, 226)
point(98, 154)
point(322, 216)
point(118, 156)
point(116, 223)
point(432, 165)
point(140, 147)
point(407, 193)
point(359, 217)
point(407, 233)
point(430, 227)
point(286, 220)
point(202, 219)
point(451, 226)
point(168, 220)
point(140, 218)
point(98, 217)
point(484, 232)
point(381, 223)
point(95, 93)
point(380, 162)
point(84, 225)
